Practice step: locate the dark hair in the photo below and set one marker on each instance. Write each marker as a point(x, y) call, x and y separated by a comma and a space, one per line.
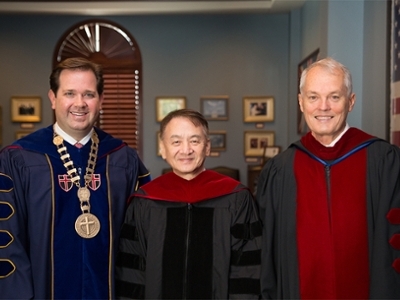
point(194, 116)
point(76, 63)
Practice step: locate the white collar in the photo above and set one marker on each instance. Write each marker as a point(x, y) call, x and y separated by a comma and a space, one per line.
point(69, 138)
point(338, 137)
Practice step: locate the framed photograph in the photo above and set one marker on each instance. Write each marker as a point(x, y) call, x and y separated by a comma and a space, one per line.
point(165, 105)
point(158, 143)
point(258, 109)
point(26, 109)
point(214, 108)
point(21, 134)
point(218, 140)
point(271, 151)
point(256, 141)
point(302, 127)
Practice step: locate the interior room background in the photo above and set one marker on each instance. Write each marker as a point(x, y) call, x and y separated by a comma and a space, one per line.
point(233, 54)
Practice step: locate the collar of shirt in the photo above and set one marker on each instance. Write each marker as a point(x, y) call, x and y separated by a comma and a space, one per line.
point(339, 136)
point(70, 139)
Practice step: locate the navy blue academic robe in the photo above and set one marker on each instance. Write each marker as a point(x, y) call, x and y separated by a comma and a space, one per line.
point(41, 254)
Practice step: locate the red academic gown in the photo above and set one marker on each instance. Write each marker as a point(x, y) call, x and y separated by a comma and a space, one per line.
point(326, 227)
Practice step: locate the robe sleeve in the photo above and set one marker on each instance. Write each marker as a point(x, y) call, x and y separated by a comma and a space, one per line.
point(143, 175)
point(384, 220)
point(246, 235)
point(131, 259)
point(276, 196)
point(265, 196)
point(16, 280)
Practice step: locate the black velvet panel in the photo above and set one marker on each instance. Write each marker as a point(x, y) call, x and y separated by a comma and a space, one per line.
point(188, 253)
point(174, 253)
point(129, 290)
point(246, 258)
point(129, 232)
point(247, 231)
point(130, 261)
point(244, 286)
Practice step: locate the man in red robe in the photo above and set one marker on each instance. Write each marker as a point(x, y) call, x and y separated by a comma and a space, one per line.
point(193, 233)
point(330, 203)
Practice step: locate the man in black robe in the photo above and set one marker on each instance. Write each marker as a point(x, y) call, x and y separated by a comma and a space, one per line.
point(330, 203)
point(191, 233)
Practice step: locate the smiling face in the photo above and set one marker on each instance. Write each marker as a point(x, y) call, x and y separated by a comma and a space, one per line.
point(325, 103)
point(185, 147)
point(77, 102)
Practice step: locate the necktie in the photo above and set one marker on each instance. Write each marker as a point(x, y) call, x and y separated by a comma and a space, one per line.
point(78, 145)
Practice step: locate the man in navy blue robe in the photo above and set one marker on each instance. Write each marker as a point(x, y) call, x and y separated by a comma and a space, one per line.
point(61, 207)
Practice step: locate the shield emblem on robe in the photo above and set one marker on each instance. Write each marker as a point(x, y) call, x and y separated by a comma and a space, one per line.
point(65, 182)
point(95, 183)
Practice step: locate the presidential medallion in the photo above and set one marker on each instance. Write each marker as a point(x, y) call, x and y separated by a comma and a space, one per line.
point(87, 225)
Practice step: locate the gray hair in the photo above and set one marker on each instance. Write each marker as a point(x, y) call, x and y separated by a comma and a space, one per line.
point(332, 66)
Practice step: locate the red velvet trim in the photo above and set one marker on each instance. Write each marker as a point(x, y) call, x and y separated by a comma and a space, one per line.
point(396, 265)
point(171, 187)
point(395, 241)
point(332, 232)
point(393, 216)
point(351, 139)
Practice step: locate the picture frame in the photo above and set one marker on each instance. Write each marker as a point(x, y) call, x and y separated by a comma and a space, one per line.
point(158, 141)
point(302, 127)
point(271, 151)
point(26, 109)
point(256, 141)
point(258, 109)
point(217, 140)
point(166, 104)
point(214, 108)
point(21, 134)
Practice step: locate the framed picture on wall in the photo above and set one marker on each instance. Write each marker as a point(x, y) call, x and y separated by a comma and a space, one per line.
point(158, 143)
point(26, 109)
point(313, 57)
point(165, 105)
point(256, 141)
point(271, 151)
point(214, 107)
point(218, 140)
point(258, 109)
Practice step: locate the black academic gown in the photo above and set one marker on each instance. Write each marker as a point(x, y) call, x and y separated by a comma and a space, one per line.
point(277, 196)
point(196, 239)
